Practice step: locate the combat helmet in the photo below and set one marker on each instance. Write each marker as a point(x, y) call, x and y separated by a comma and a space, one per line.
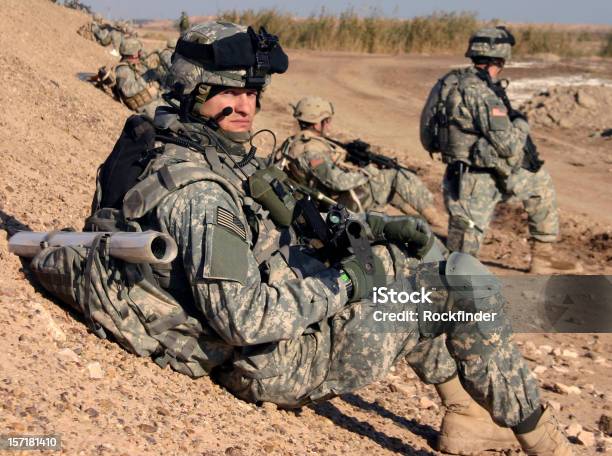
point(129, 47)
point(97, 17)
point(313, 110)
point(223, 54)
point(171, 43)
point(493, 43)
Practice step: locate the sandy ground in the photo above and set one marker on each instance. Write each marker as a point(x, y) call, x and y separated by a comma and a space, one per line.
point(56, 378)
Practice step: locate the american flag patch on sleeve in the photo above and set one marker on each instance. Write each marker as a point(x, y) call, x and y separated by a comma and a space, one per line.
point(497, 111)
point(228, 220)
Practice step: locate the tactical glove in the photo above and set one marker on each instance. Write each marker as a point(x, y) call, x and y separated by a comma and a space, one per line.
point(411, 231)
point(361, 282)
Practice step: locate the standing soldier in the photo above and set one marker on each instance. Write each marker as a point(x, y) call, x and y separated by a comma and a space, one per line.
point(489, 153)
point(312, 159)
point(135, 83)
point(183, 23)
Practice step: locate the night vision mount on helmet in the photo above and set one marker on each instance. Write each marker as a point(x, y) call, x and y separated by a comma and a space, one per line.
point(225, 54)
point(491, 43)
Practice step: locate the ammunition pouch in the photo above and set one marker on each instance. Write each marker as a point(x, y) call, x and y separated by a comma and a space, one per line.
point(139, 100)
point(459, 144)
point(269, 188)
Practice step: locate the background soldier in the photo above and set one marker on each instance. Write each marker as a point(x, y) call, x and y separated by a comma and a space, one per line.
point(135, 83)
point(314, 160)
point(489, 153)
point(246, 301)
point(165, 55)
point(183, 22)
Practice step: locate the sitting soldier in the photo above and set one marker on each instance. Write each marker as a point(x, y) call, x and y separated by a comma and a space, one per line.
point(249, 299)
point(316, 161)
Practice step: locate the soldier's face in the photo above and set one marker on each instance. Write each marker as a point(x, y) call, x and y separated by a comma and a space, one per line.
point(244, 105)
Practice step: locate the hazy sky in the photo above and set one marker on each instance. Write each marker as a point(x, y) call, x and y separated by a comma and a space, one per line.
point(568, 11)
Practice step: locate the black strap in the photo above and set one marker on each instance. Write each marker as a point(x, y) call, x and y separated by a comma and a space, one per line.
point(159, 325)
point(490, 40)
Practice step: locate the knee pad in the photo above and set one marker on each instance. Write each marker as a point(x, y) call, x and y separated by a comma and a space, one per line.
point(473, 289)
point(461, 283)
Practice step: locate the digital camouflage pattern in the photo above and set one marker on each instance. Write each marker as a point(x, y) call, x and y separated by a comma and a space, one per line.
point(130, 47)
point(318, 163)
point(483, 44)
point(313, 110)
point(186, 72)
point(102, 32)
point(165, 55)
point(480, 132)
point(294, 340)
point(183, 22)
point(267, 319)
point(135, 91)
point(263, 314)
point(470, 213)
point(482, 136)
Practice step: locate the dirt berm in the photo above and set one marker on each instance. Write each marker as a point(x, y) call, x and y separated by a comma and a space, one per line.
point(57, 378)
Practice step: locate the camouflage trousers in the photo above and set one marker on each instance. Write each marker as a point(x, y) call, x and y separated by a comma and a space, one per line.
point(355, 348)
point(471, 207)
point(385, 183)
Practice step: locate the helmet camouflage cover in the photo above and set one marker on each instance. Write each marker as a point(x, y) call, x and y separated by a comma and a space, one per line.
point(313, 110)
point(129, 47)
point(492, 43)
point(171, 43)
point(225, 54)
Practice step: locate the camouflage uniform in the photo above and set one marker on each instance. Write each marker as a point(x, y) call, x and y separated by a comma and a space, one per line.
point(183, 23)
point(275, 323)
point(490, 145)
point(278, 323)
point(165, 59)
point(135, 89)
point(291, 336)
point(166, 54)
point(320, 163)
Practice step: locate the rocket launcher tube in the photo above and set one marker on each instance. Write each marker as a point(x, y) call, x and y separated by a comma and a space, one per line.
point(147, 247)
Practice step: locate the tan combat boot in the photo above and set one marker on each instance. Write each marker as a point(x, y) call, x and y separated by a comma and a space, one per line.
point(434, 217)
point(467, 428)
point(543, 261)
point(546, 439)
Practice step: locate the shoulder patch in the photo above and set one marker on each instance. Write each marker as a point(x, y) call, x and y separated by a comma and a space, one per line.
point(228, 220)
point(316, 162)
point(498, 111)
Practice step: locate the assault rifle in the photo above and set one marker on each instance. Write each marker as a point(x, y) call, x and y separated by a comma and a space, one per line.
point(531, 157)
point(360, 153)
point(104, 79)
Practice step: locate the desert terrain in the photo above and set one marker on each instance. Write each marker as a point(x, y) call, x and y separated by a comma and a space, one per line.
point(58, 378)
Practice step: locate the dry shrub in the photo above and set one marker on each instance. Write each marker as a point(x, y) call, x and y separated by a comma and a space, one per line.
point(350, 32)
point(440, 32)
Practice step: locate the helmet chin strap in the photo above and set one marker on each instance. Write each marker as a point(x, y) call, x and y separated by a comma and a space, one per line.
point(240, 137)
